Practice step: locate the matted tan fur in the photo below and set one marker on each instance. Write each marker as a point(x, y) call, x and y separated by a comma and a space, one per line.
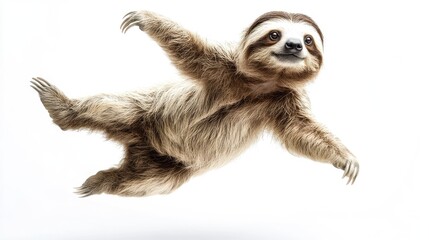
point(233, 94)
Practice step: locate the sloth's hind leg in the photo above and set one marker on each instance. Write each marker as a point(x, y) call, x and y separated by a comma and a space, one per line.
point(103, 181)
point(59, 106)
point(143, 172)
point(113, 114)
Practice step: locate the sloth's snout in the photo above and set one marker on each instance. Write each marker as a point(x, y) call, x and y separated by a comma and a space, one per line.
point(293, 45)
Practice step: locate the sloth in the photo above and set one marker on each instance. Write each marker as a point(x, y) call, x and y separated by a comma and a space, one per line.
point(229, 97)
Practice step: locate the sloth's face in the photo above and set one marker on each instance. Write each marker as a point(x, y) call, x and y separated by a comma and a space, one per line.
point(286, 47)
point(291, 45)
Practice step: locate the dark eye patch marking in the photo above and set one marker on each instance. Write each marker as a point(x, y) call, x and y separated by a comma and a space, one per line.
point(294, 17)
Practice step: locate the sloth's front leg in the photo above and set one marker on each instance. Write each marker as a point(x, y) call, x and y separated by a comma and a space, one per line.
point(305, 137)
point(192, 55)
point(135, 18)
point(180, 44)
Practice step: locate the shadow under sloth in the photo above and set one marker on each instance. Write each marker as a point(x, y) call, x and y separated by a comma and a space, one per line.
point(232, 95)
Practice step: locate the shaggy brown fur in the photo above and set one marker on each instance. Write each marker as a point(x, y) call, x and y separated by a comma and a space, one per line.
point(179, 130)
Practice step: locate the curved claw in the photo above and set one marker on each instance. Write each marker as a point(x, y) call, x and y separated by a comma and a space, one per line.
point(128, 14)
point(346, 169)
point(356, 172)
point(39, 84)
point(125, 20)
point(131, 19)
point(351, 171)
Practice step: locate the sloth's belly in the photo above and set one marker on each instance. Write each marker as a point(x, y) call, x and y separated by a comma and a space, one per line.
point(210, 142)
point(202, 136)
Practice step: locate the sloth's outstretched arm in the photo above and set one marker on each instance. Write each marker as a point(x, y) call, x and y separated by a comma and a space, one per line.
point(303, 136)
point(193, 56)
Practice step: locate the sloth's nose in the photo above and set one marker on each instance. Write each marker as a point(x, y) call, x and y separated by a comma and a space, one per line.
point(293, 45)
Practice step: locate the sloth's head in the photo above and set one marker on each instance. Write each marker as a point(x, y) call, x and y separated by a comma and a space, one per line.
point(282, 47)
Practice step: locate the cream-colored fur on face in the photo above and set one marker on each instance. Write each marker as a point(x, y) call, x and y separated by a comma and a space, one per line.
point(288, 29)
point(175, 131)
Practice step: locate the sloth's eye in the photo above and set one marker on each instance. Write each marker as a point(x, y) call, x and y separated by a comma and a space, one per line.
point(308, 40)
point(274, 36)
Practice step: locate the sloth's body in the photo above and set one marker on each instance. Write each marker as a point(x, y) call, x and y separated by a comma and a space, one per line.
point(178, 130)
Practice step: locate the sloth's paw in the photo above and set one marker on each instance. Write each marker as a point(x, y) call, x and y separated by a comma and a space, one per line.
point(136, 18)
point(95, 184)
point(351, 169)
point(57, 104)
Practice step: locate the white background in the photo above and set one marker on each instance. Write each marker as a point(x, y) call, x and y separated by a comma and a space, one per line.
point(372, 93)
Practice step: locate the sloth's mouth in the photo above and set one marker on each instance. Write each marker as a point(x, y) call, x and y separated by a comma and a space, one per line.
point(290, 57)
